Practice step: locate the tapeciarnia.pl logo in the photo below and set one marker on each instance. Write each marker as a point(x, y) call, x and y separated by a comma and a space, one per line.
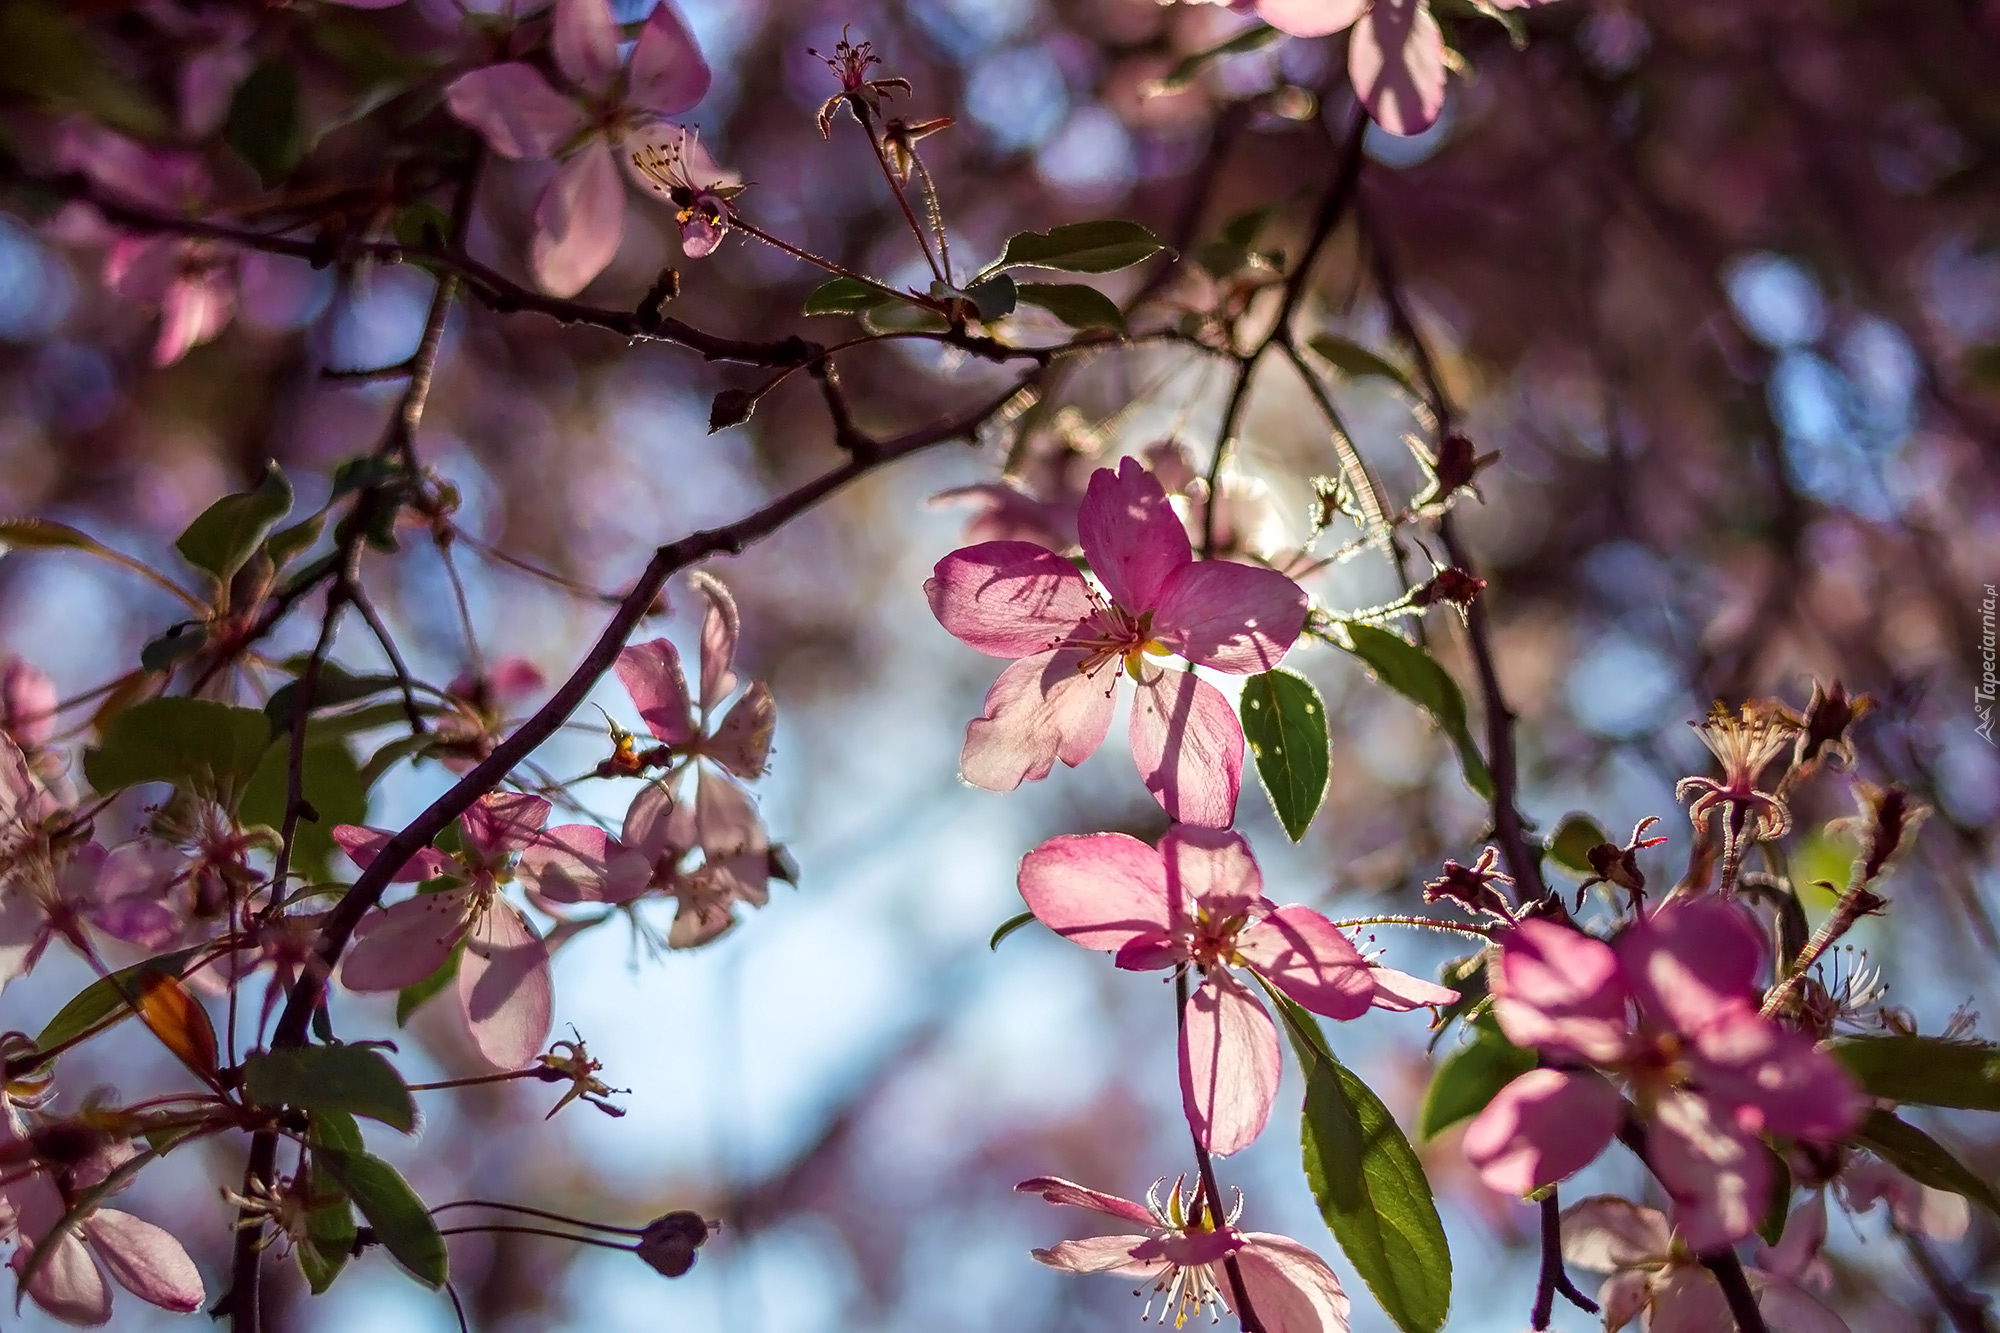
point(1989, 679)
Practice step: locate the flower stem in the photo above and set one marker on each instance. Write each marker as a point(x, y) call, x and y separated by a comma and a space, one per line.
point(537, 1212)
point(1245, 1313)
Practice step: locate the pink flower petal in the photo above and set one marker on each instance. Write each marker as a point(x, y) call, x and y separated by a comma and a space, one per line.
point(145, 1260)
point(742, 741)
point(363, 845)
point(735, 846)
point(1559, 989)
point(1718, 1176)
point(1605, 1232)
point(1229, 1065)
point(581, 863)
point(514, 110)
point(197, 307)
point(1211, 869)
point(1101, 1254)
point(1241, 619)
point(1776, 1079)
point(721, 626)
point(403, 944)
point(70, 1285)
point(1057, 1190)
point(1308, 958)
point(1008, 599)
point(1101, 890)
point(668, 73)
point(579, 221)
point(1694, 963)
point(1188, 746)
point(1291, 1288)
point(586, 44)
point(1686, 1300)
point(1544, 1126)
point(503, 821)
point(1131, 535)
point(651, 674)
point(1310, 18)
point(1399, 992)
point(660, 826)
point(1623, 1297)
point(1793, 1309)
point(504, 985)
point(1041, 709)
point(1797, 1250)
point(1395, 58)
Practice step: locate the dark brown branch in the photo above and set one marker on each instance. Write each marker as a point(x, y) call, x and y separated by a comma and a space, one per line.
point(1509, 826)
point(1554, 1278)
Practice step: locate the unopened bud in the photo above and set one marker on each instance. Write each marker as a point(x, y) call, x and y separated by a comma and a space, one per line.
point(668, 1243)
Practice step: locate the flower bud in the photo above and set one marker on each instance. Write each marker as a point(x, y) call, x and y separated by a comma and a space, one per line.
point(668, 1243)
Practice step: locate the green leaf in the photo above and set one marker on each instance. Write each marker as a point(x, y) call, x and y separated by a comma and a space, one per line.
point(193, 743)
point(110, 997)
point(994, 298)
point(1469, 1078)
point(289, 543)
point(400, 1220)
point(1077, 305)
point(1355, 362)
point(179, 643)
point(41, 534)
point(732, 407)
point(1177, 78)
point(333, 787)
point(1008, 927)
point(391, 754)
point(1285, 723)
point(903, 317)
point(1928, 1071)
point(266, 124)
point(1569, 846)
point(335, 686)
point(356, 1079)
point(418, 993)
point(1081, 247)
point(1923, 1159)
point(1467, 976)
point(847, 296)
point(1369, 1184)
point(1414, 674)
point(330, 1229)
point(229, 531)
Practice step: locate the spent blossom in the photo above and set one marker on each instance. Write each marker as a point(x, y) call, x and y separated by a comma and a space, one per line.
point(503, 982)
point(1183, 1250)
point(1671, 1009)
point(1655, 1278)
point(587, 126)
point(721, 752)
point(1198, 900)
point(1071, 644)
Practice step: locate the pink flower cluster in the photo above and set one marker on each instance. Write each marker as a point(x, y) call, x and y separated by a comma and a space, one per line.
point(1670, 1011)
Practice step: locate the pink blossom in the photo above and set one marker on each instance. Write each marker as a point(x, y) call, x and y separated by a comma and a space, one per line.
point(140, 1257)
point(699, 190)
point(580, 219)
point(1913, 1208)
point(1289, 1287)
point(191, 281)
point(503, 974)
point(27, 703)
point(735, 846)
point(1014, 600)
point(1654, 1276)
point(60, 891)
point(1671, 1008)
point(1395, 52)
point(1199, 899)
point(481, 706)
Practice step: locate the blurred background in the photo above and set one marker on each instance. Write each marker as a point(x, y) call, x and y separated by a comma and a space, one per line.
point(1719, 279)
